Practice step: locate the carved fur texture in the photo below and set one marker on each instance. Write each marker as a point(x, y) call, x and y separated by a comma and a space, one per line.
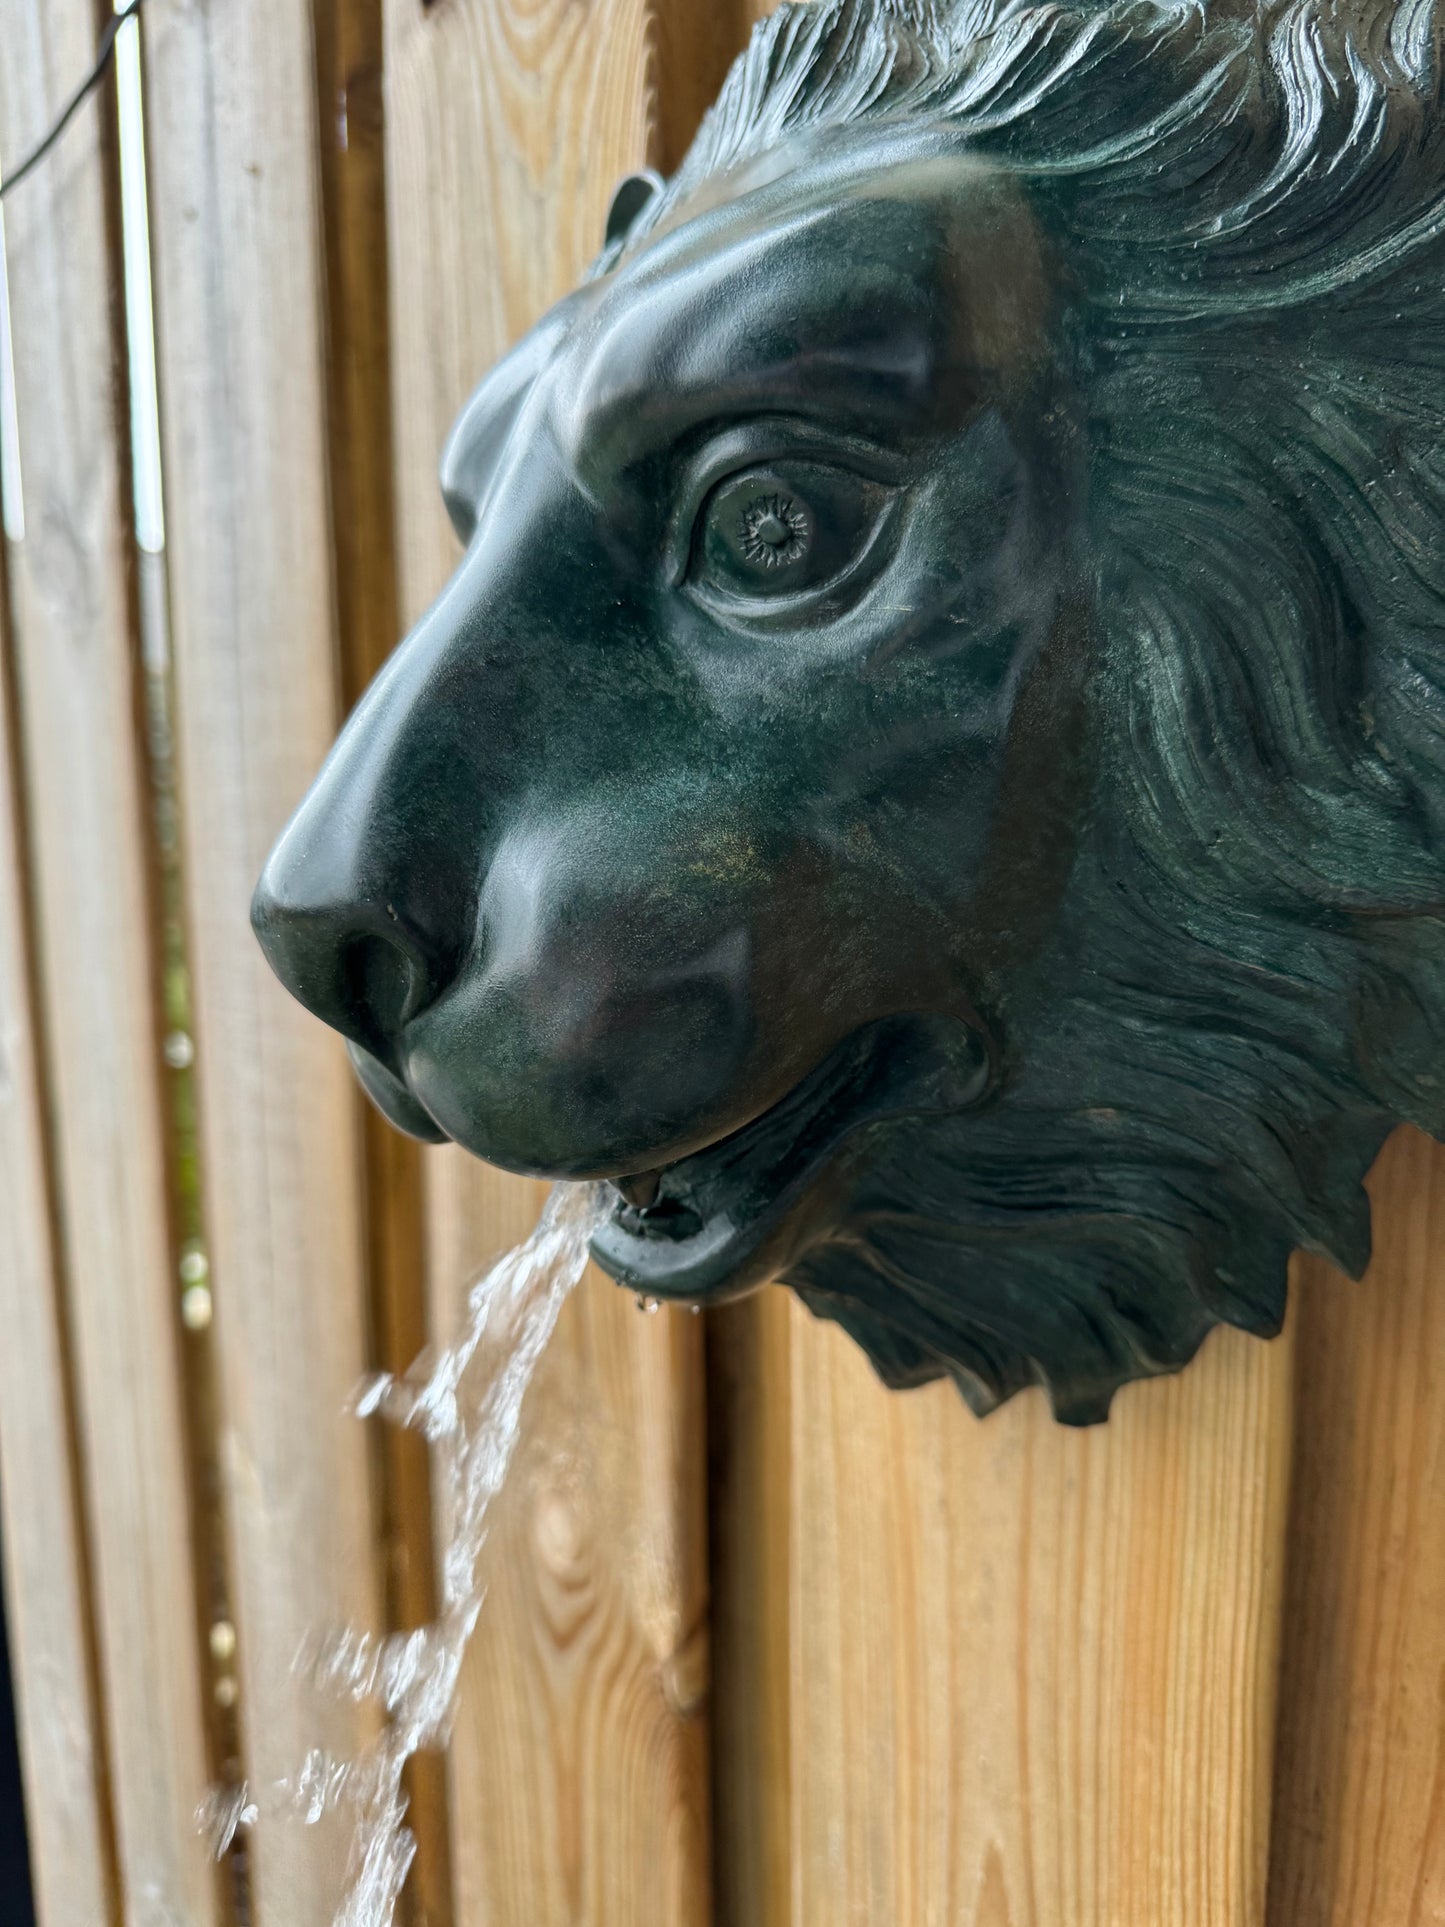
point(1249, 210)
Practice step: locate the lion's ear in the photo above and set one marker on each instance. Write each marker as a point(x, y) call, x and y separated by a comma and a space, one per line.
point(632, 199)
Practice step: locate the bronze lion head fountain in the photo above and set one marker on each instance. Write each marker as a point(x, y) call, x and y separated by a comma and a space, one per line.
point(931, 772)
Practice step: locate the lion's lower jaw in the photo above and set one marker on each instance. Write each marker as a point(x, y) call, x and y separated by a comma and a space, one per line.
point(726, 1220)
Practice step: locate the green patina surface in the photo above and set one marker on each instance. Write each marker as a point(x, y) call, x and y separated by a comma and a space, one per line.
point(929, 772)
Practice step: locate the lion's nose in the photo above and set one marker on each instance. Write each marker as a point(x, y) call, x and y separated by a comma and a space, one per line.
point(356, 962)
point(366, 905)
point(362, 918)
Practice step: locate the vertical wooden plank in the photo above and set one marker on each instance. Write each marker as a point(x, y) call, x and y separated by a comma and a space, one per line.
point(1031, 1672)
point(87, 808)
point(579, 1764)
point(353, 180)
point(1360, 1782)
point(349, 53)
point(239, 274)
point(61, 1743)
point(1034, 1669)
point(579, 1769)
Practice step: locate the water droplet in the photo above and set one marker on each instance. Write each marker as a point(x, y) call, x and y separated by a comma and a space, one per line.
point(226, 1692)
point(196, 1308)
point(223, 1641)
point(194, 1266)
point(649, 1305)
point(180, 1052)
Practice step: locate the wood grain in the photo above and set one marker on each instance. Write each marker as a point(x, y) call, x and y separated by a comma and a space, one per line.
point(87, 810)
point(240, 304)
point(509, 123)
point(579, 1770)
point(695, 46)
point(41, 1511)
point(1034, 1670)
point(580, 1757)
point(1360, 1785)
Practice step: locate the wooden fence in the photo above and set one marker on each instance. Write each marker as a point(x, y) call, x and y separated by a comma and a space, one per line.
point(765, 1645)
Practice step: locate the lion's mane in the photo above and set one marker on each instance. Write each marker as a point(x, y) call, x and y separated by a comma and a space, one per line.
point(1249, 206)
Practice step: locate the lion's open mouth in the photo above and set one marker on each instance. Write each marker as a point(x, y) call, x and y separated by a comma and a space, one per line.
point(731, 1216)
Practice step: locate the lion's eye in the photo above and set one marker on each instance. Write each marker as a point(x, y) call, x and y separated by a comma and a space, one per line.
point(770, 533)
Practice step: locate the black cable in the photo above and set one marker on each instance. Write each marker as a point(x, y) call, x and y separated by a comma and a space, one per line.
point(72, 107)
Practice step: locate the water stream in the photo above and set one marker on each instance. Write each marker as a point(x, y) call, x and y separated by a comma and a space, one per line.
point(467, 1403)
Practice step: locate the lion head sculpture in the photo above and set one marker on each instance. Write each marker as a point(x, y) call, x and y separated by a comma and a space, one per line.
point(931, 773)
